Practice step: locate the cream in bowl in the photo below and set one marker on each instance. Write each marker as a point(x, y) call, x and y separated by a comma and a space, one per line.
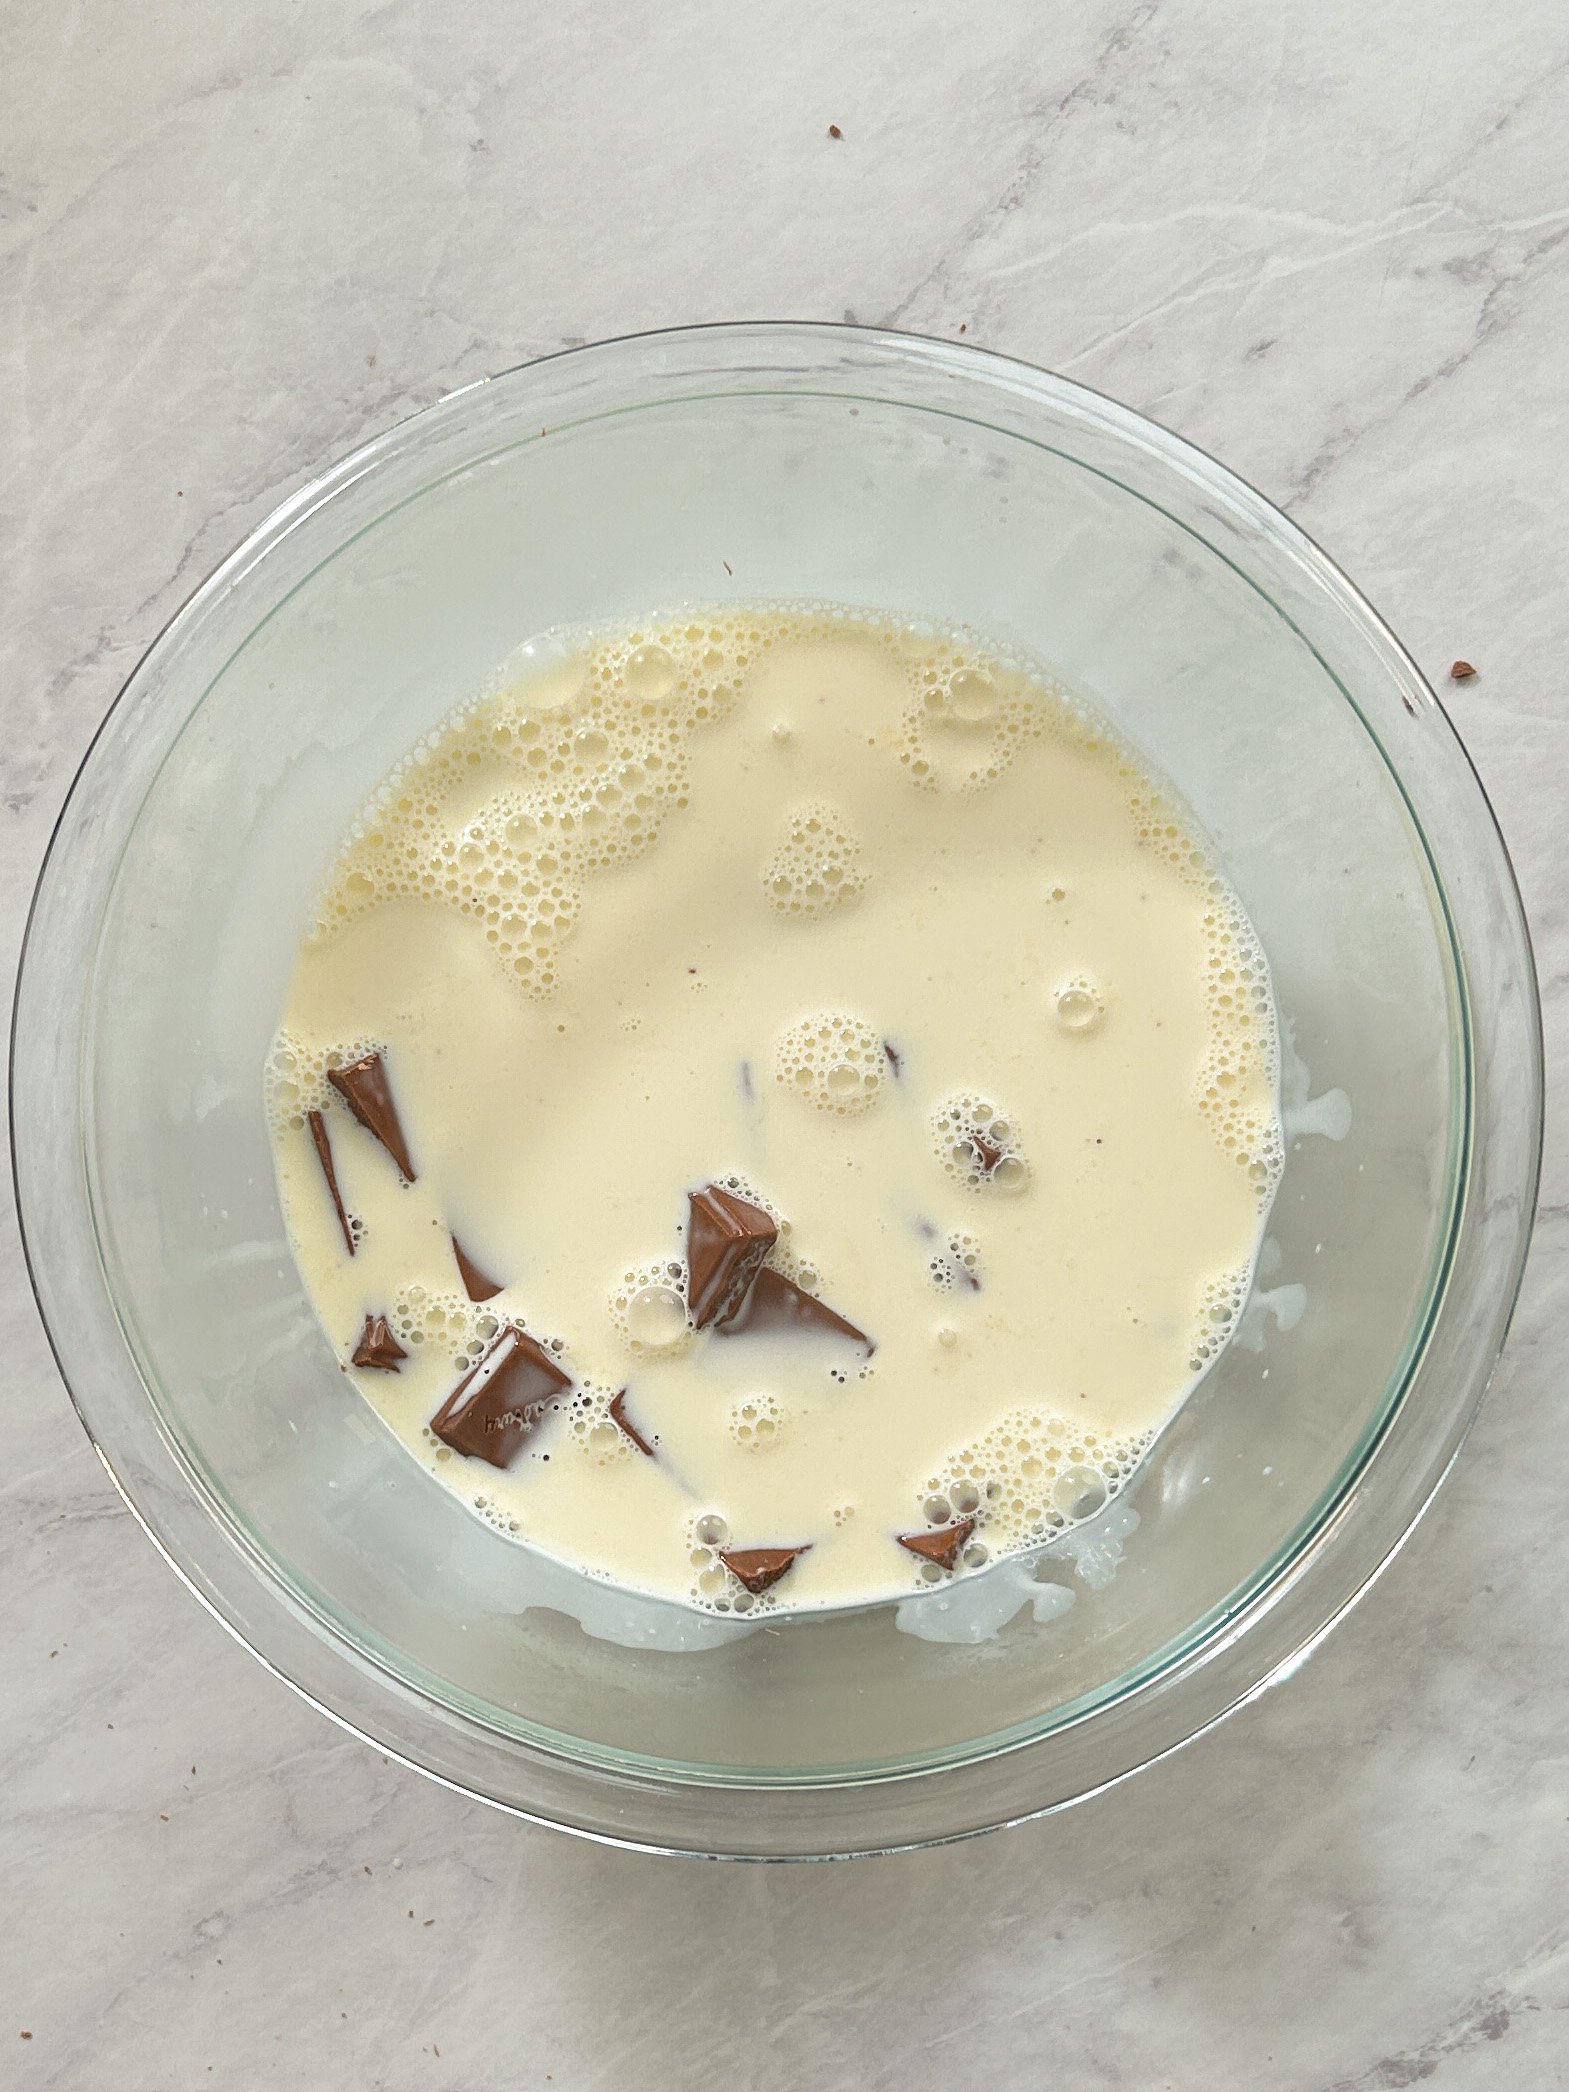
point(776, 1107)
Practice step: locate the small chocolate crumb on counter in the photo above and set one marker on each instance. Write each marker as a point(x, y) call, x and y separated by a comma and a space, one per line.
point(378, 1348)
point(834, 131)
point(364, 1087)
point(941, 1546)
point(1461, 672)
point(760, 1568)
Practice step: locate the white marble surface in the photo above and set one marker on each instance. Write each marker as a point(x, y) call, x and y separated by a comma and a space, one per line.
point(1328, 241)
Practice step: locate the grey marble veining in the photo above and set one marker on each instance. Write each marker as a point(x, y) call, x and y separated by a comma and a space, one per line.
point(1331, 244)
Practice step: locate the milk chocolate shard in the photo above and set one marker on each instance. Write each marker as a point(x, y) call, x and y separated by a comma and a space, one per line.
point(941, 1546)
point(378, 1347)
point(760, 1568)
point(319, 1135)
point(625, 1425)
point(497, 1403)
point(727, 1239)
point(988, 1154)
point(475, 1283)
point(364, 1087)
point(773, 1304)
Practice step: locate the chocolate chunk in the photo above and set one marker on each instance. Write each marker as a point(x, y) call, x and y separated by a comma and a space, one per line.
point(989, 1154)
point(1461, 672)
point(378, 1347)
point(941, 1546)
point(834, 131)
point(893, 1056)
point(774, 1304)
point(624, 1424)
point(364, 1087)
point(475, 1283)
point(760, 1568)
point(318, 1126)
point(727, 1239)
point(497, 1403)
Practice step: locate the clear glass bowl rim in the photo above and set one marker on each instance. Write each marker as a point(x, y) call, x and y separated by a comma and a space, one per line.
point(353, 1690)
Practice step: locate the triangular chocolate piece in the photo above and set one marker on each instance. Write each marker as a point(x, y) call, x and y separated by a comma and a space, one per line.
point(625, 1425)
point(378, 1347)
point(941, 1546)
point(497, 1403)
point(776, 1305)
point(364, 1087)
point(727, 1239)
point(760, 1568)
point(475, 1284)
point(987, 1151)
point(320, 1136)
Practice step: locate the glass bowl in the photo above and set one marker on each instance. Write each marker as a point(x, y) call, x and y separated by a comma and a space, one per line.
point(740, 463)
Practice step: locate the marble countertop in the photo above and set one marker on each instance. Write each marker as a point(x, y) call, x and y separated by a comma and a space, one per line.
point(1328, 242)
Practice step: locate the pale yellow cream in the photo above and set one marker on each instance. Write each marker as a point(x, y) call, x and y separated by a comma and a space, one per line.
point(804, 900)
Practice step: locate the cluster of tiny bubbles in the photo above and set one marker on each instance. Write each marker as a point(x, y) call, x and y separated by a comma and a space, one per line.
point(507, 808)
point(1160, 828)
point(1220, 1305)
point(757, 1421)
point(1079, 1006)
point(1032, 1475)
point(445, 1321)
point(833, 1061)
point(958, 1264)
point(712, 1586)
point(592, 1429)
point(711, 1582)
point(971, 712)
point(958, 1123)
point(296, 1075)
point(744, 1188)
point(504, 810)
point(494, 1515)
point(1237, 1082)
point(843, 1513)
point(648, 1308)
point(792, 1265)
point(942, 1507)
point(817, 866)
